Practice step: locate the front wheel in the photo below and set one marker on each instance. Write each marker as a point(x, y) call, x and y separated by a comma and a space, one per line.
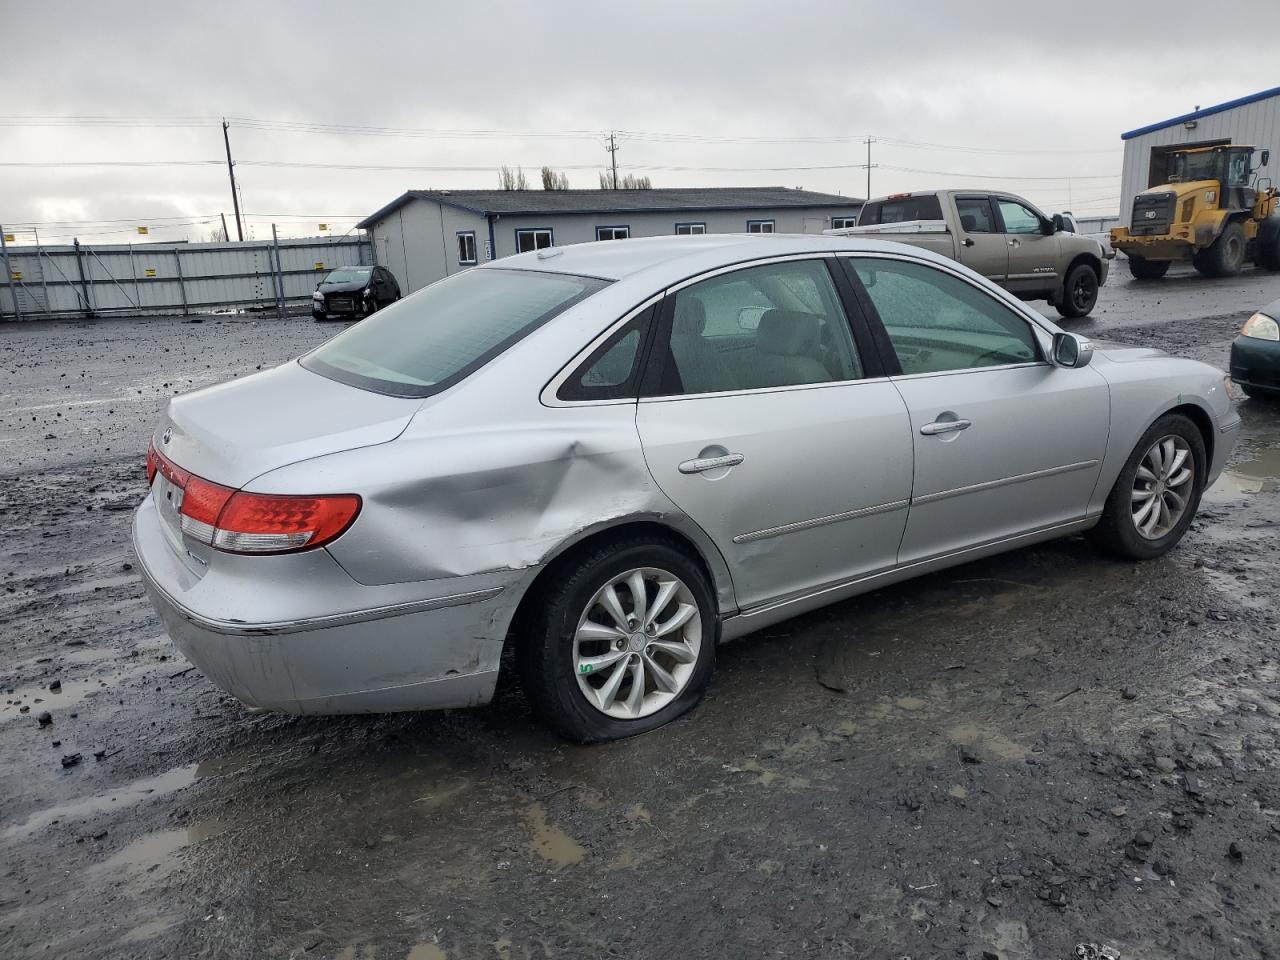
point(1079, 292)
point(1140, 268)
point(623, 643)
point(1157, 493)
point(1225, 257)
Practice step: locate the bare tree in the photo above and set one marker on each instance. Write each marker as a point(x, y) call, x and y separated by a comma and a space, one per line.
point(509, 179)
point(627, 181)
point(551, 180)
point(216, 235)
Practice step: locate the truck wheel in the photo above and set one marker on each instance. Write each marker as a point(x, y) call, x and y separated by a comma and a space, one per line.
point(1143, 269)
point(1079, 293)
point(1225, 257)
point(1268, 244)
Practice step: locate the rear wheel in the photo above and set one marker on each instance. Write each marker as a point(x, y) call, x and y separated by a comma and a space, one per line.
point(1268, 244)
point(1225, 258)
point(624, 641)
point(1157, 493)
point(1143, 269)
point(1079, 292)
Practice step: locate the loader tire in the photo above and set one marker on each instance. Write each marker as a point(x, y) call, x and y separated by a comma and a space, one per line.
point(1143, 269)
point(1225, 258)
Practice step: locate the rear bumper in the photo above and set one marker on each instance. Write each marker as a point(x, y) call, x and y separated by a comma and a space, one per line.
point(300, 636)
point(1256, 363)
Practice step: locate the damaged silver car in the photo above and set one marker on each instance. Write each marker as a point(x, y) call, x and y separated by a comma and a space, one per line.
point(614, 456)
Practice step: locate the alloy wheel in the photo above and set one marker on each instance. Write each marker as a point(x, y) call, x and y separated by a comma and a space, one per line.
point(1163, 486)
point(637, 642)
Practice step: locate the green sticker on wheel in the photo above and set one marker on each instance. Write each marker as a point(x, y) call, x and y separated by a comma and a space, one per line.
point(584, 668)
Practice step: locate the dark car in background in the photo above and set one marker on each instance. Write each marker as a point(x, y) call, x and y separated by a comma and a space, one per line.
point(354, 292)
point(1255, 354)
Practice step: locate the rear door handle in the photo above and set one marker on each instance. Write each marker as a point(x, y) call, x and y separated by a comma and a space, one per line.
point(704, 464)
point(967, 241)
point(1013, 243)
point(945, 426)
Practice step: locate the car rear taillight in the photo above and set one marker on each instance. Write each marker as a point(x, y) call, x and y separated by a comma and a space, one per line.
point(240, 522)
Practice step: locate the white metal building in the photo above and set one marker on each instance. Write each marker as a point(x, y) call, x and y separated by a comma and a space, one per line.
point(1254, 120)
point(425, 235)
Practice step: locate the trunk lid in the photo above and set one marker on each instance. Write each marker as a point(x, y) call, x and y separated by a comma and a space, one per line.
point(235, 431)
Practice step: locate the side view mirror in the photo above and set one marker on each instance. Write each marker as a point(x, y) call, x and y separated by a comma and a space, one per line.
point(1071, 350)
point(1266, 156)
point(1059, 225)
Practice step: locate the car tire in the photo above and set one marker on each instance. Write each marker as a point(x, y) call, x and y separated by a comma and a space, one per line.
point(1121, 529)
point(1225, 257)
point(1140, 268)
point(579, 671)
point(1079, 292)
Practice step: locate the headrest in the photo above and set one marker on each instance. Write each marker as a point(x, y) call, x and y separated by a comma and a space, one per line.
point(968, 221)
point(787, 333)
point(690, 318)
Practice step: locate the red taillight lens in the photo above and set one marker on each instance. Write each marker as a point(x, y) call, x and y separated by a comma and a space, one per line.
point(265, 523)
point(240, 522)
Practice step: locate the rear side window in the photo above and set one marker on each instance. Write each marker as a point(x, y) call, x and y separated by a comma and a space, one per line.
point(900, 210)
point(975, 215)
point(429, 341)
point(938, 322)
point(612, 371)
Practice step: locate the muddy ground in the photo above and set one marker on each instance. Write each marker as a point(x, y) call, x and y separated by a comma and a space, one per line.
point(1006, 759)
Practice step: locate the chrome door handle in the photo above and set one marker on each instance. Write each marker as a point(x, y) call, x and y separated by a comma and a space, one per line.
point(945, 426)
point(1013, 243)
point(711, 463)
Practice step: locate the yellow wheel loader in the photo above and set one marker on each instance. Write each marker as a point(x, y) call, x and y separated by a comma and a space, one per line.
point(1213, 211)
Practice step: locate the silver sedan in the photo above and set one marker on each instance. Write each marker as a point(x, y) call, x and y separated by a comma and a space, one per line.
point(614, 456)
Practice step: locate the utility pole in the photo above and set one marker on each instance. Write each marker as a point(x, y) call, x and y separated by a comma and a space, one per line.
point(869, 165)
point(613, 159)
point(231, 171)
point(225, 235)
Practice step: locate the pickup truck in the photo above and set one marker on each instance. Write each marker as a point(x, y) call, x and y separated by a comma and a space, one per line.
point(999, 235)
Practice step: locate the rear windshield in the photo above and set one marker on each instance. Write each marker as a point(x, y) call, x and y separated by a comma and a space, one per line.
point(429, 341)
point(348, 274)
point(900, 210)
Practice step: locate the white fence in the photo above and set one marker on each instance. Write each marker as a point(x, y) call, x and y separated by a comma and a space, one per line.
point(87, 281)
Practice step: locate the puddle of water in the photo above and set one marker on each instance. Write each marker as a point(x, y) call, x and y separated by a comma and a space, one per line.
point(550, 842)
point(426, 951)
point(221, 766)
point(1260, 474)
point(73, 692)
point(155, 853)
point(997, 744)
point(959, 792)
point(911, 703)
point(139, 790)
point(150, 929)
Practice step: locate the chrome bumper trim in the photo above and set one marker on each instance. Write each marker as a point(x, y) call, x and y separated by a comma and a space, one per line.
point(238, 628)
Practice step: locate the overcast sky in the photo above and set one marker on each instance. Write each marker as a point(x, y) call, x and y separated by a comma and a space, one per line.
point(1009, 91)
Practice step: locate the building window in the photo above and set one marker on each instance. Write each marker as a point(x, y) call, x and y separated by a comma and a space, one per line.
point(843, 223)
point(690, 229)
point(613, 233)
point(759, 226)
point(535, 239)
point(466, 248)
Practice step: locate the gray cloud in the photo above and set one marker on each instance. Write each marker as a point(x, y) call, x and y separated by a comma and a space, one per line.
point(1005, 78)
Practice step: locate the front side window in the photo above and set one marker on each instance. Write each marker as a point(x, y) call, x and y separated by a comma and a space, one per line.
point(427, 342)
point(537, 239)
point(841, 223)
point(690, 229)
point(775, 325)
point(613, 233)
point(1018, 218)
point(938, 322)
point(759, 226)
point(466, 248)
point(975, 215)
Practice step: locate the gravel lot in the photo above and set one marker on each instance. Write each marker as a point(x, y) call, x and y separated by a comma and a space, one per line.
point(1006, 759)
